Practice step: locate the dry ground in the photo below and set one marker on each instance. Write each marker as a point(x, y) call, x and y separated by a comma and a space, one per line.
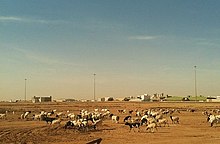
point(192, 129)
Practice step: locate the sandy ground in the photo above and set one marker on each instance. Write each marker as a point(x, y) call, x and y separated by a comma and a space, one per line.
point(192, 129)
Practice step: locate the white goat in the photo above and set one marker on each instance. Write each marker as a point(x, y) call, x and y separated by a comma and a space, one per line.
point(151, 120)
point(152, 127)
point(163, 121)
point(159, 116)
point(24, 115)
point(96, 110)
point(57, 121)
point(214, 119)
point(174, 119)
point(115, 119)
point(38, 116)
point(59, 114)
point(2, 116)
point(138, 114)
point(104, 110)
point(71, 115)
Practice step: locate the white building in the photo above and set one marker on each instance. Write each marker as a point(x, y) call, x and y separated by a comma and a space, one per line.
point(135, 100)
point(145, 97)
point(37, 99)
point(213, 99)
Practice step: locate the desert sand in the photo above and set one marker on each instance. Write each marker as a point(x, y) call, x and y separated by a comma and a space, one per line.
point(193, 127)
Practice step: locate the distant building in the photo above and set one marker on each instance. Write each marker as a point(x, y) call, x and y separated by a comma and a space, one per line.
point(70, 100)
point(145, 97)
point(39, 99)
point(213, 99)
point(84, 100)
point(135, 100)
point(105, 99)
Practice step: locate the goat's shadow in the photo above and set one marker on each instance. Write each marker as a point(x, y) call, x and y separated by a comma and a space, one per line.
point(152, 132)
point(91, 130)
point(102, 129)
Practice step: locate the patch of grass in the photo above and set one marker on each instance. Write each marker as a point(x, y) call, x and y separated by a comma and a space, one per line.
point(199, 98)
point(174, 98)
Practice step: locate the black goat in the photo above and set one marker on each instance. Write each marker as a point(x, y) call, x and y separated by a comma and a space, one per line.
point(127, 118)
point(133, 125)
point(143, 121)
point(69, 124)
point(130, 111)
point(48, 119)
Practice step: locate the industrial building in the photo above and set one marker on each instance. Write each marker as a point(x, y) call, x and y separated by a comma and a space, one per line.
point(39, 99)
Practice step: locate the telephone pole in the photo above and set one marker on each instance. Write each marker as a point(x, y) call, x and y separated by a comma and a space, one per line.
point(94, 87)
point(195, 84)
point(25, 89)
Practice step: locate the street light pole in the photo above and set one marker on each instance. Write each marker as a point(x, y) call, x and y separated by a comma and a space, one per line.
point(195, 84)
point(25, 89)
point(94, 86)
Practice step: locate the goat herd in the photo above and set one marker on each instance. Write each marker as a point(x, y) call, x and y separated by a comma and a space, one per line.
point(85, 120)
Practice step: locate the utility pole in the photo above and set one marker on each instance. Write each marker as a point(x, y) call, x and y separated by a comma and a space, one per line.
point(94, 86)
point(25, 89)
point(195, 84)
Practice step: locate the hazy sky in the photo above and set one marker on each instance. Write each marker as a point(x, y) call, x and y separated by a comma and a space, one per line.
point(134, 47)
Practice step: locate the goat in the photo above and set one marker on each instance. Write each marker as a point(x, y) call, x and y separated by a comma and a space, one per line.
point(69, 124)
point(144, 121)
point(133, 125)
point(51, 113)
point(71, 115)
point(2, 116)
point(75, 123)
point(127, 118)
point(163, 121)
point(152, 127)
point(60, 114)
point(191, 110)
point(130, 111)
point(120, 111)
point(24, 115)
point(174, 119)
point(94, 124)
point(159, 116)
point(206, 113)
point(138, 114)
point(104, 110)
point(38, 116)
point(56, 121)
point(48, 119)
point(114, 118)
point(213, 119)
point(151, 120)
